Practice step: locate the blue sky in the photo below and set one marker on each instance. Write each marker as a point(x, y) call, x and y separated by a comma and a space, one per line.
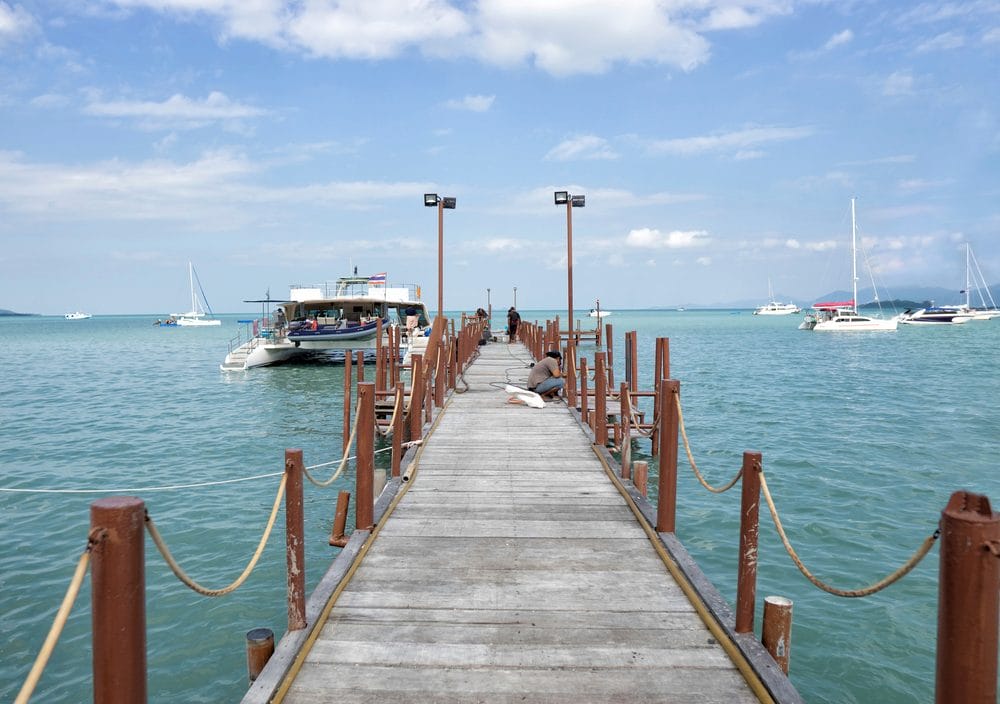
point(718, 144)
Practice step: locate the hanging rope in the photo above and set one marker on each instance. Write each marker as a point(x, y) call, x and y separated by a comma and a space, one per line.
point(190, 583)
point(62, 615)
point(392, 419)
point(342, 461)
point(878, 586)
point(694, 466)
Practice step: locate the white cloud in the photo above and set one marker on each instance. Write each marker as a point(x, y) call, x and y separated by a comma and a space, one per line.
point(561, 37)
point(898, 83)
point(500, 244)
point(177, 111)
point(583, 147)
point(991, 36)
point(472, 103)
point(942, 42)
point(824, 246)
point(647, 238)
point(740, 141)
point(839, 39)
point(704, 261)
point(15, 23)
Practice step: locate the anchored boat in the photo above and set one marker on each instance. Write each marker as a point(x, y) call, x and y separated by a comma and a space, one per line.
point(346, 314)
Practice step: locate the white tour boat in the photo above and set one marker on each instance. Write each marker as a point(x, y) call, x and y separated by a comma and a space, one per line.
point(345, 315)
point(773, 307)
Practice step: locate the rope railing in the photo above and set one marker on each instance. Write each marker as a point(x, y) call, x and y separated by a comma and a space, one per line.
point(193, 585)
point(878, 586)
point(59, 622)
point(874, 588)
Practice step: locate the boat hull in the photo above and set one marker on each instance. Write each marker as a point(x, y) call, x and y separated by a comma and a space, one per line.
point(336, 332)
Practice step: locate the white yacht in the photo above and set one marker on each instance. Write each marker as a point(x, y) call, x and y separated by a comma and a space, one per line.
point(77, 316)
point(344, 315)
point(196, 317)
point(773, 307)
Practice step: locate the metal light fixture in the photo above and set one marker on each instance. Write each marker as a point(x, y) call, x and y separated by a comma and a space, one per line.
point(570, 201)
point(432, 200)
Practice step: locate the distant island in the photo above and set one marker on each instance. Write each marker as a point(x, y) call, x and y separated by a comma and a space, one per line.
point(10, 313)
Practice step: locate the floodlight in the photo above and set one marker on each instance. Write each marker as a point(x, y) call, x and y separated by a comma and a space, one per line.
point(448, 203)
point(562, 197)
point(431, 200)
point(578, 201)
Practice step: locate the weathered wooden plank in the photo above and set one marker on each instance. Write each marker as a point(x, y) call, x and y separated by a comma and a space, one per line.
point(512, 570)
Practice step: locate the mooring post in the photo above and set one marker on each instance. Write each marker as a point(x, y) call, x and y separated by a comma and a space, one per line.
point(295, 548)
point(666, 502)
point(746, 576)
point(584, 413)
point(364, 510)
point(260, 648)
point(609, 348)
point(776, 633)
point(118, 600)
point(338, 539)
point(360, 358)
point(347, 403)
point(626, 424)
point(570, 375)
point(600, 399)
point(968, 601)
point(640, 477)
point(416, 412)
point(397, 430)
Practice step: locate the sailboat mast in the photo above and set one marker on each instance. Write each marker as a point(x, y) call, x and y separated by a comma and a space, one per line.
point(967, 292)
point(854, 257)
point(194, 299)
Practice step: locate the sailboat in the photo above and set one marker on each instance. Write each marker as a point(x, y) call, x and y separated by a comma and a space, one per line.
point(196, 317)
point(984, 311)
point(843, 316)
point(773, 307)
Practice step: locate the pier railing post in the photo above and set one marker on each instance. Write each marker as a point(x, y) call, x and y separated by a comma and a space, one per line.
point(295, 548)
point(600, 399)
point(609, 349)
point(397, 431)
point(968, 601)
point(364, 508)
point(571, 375)
point(118, 600)
point(626, 424)
point(347, 402)
point(338, 539)
point(746, 577)
point(666, 502)
point(416, 396)
point(584, 413)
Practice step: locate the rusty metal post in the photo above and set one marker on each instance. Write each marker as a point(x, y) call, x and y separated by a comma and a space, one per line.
point(626, 416)
point(570, 385)
point(746, 576)
point(118, 600)
point(609, 348)
point(337, 537)
point(260, 648)
point(416, 396)
point(968, 601)
point(632, 360)
point(295, 548)
point(345, 448)
point(397, 431)
point(584, 412)
point(666, 502)
point(360, 361)
point(641, 477)
point(380, 370)
point(364, 510)
point(600, 399)
point(776, 633)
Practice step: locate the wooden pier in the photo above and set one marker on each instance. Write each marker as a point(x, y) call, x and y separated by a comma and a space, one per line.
point(509, 567)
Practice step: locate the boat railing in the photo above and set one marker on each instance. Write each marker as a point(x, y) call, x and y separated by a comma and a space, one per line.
point(360, 286)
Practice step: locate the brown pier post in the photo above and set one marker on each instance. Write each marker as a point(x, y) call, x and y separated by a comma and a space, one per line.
point(364, 510)
point(968, 601)
point(666, 502)
point(337, 537)
point(347, 402)
point(416, 396)
point(118, 600)
point(584, 413)
point(776, 633)
point(600, 399)
point(640, 479)
point(746, 576)
point(295, 549)
point(397, 430)
point(260, 648)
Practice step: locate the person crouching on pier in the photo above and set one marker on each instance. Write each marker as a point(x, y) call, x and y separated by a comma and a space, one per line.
point(545, 378)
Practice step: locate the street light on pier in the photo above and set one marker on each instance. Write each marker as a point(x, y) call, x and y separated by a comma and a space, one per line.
point(570, 201)
point(432, 200)
point(515, 298)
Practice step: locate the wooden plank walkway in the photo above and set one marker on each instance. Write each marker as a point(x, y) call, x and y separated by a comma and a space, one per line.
point(513, 570)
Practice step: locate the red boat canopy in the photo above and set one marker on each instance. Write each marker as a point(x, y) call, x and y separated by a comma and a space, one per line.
point(833, 305)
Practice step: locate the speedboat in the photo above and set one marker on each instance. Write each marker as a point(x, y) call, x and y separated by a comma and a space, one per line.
point(77, 316)
point(595, 313)
point(936, 315)
point(775, 308)
point(320, 318)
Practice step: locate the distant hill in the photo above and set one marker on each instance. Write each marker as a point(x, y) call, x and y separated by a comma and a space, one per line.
point(5, 312)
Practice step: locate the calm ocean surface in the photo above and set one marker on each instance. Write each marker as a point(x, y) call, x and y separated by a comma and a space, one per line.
point(864, 438)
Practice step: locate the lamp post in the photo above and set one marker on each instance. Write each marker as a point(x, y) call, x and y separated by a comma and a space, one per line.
point(570, 201)
point(515, 298)
point(433, 200)
point(489, 306)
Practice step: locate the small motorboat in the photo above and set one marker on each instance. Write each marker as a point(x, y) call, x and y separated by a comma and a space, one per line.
point(77, 316)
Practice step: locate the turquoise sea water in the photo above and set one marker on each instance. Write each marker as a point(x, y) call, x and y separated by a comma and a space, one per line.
point(864, 438)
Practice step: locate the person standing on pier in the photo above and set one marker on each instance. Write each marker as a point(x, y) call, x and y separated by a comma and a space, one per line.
point(513, 320)
point(545, 378)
